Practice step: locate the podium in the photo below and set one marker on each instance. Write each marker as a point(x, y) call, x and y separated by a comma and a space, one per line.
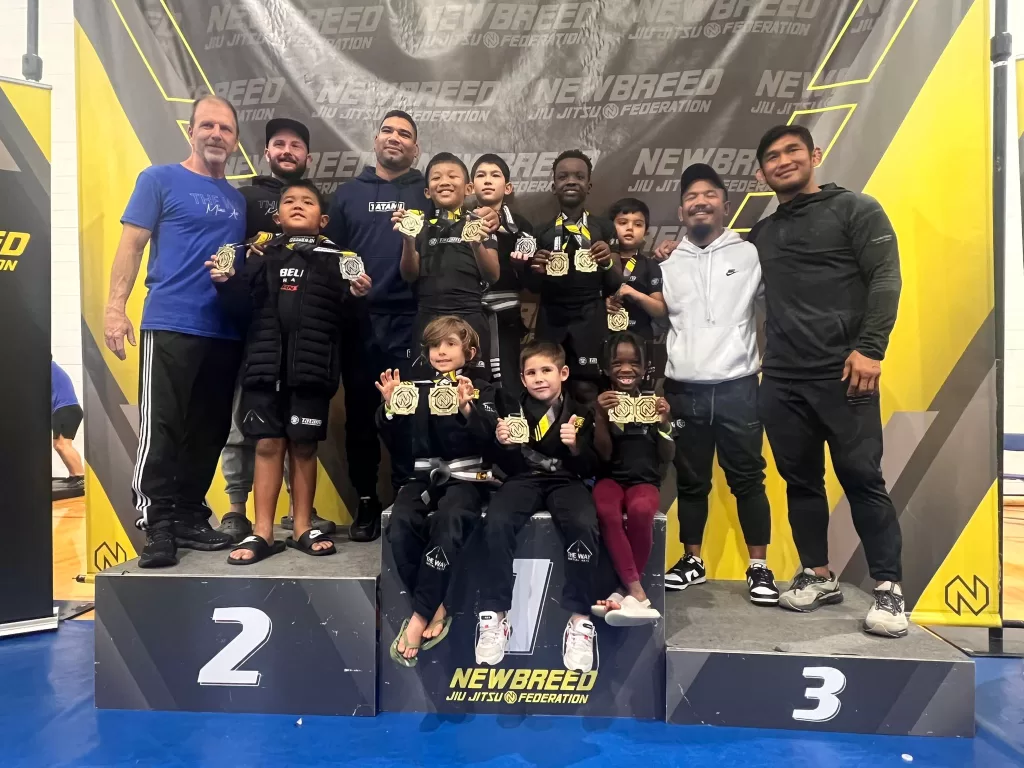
point(293, 634)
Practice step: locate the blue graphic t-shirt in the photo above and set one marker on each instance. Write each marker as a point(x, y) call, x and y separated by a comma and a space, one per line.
point(190, 216)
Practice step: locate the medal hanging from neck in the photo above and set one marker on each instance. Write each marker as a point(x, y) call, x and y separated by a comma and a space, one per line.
point(443, 398)
point(474, 230)
point(583, 260)
point(351, 265)
point(518, 429)
point(619, 320)
point(405, 399)
point(624, 410)
point(224, 260)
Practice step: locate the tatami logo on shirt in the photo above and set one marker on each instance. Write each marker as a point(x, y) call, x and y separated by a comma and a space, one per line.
point(385, 206)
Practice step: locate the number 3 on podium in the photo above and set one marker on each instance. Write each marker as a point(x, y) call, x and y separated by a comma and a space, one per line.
point(833, 682)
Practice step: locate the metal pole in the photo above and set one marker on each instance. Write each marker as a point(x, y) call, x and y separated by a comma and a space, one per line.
point(1001, 50)
point(31, 64)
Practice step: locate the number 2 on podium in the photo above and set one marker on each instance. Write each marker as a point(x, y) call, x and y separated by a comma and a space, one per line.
point(223, 669)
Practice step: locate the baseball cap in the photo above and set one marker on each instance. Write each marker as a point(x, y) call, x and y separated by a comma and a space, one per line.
point(701, 172)
point(286, 123)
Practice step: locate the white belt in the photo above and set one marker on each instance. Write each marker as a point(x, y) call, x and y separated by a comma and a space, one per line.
point(497, 301)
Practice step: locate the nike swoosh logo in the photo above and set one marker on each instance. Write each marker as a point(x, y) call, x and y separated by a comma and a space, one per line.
point(730, 272)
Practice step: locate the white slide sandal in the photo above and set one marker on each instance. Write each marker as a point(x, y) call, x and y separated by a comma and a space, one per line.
point(632, 613)
point(602, 610)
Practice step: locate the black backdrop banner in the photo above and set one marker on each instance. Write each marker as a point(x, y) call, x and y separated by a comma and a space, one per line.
point(26, 568)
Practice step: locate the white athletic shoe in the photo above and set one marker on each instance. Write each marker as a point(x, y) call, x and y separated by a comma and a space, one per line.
point(578, 645)
point(887, 617)
point(808, 592)
point(492, 636)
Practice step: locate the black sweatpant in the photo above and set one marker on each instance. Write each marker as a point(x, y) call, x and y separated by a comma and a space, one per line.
point(425, 548)
point(506, 333)
point(572, 510)
point(186, 385)
point(800, 417)
point(370, 343)
point(720, 417)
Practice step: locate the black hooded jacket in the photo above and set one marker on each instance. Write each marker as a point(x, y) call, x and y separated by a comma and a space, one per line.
point(831, 271)
point(261, 199)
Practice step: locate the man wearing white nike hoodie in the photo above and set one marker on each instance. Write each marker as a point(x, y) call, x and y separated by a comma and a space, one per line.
point(710, 284)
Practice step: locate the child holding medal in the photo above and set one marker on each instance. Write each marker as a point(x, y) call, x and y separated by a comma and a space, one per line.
point(573, 271)
point(547, 451)
point(633, 437)
point(291, 295)
point(446, 423)
point(639, 300)
point(492, 186)
point(452, 255)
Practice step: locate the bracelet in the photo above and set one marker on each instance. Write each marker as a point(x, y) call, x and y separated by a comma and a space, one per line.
point(666, 435)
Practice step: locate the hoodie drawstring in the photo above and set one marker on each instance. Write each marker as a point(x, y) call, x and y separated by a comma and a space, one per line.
point(704, 270)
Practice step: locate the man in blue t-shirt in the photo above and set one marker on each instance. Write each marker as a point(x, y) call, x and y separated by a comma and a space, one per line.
point(190, 349)
point(378, 331)
point(65, 419)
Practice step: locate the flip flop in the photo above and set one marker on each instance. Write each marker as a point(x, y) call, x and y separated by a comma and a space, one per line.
point(446, 624)
point(602, 610)
point(632, 613)
point(260, 548)
point(306, 541)
point(397, 656)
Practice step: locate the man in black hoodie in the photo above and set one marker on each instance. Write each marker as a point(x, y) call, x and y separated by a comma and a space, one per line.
point(831, 274)
point(378, 332)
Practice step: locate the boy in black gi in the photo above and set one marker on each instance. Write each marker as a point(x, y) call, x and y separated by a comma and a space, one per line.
point(450, 273)
point(572, 283)
point(493, 188)
point(291, 295)
point(449, 432)
point(545, 460)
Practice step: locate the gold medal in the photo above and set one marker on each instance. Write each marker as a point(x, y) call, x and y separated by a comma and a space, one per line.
point(351, 266)
point(224, 260)
point(411, 223)
point(474, 231)
point(405, 399)
point(443, 400)
point(558, 265)
point(584, 261)
point(645, 409)
point(619, 320)
point(518, 429)
point(623, 412)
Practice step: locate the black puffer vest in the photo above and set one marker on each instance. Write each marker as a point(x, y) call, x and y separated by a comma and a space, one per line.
point(313, 349)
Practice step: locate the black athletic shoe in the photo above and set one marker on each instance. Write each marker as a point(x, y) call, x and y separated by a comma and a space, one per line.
point(160, 550)
point(199, 535)
point(687, 572)
point(761, 583)
point(235, 525)
point(322, 524)
point(366, 523)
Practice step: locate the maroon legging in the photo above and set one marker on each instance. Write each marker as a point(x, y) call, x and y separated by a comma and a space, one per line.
point(629, 540)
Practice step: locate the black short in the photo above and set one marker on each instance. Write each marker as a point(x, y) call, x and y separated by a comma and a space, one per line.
point(65, 421)
point(292, 413)
point(580, 330)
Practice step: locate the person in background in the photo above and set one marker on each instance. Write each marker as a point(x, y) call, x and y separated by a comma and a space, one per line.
point(378, 332)
point(711, 282)
point(190, 349)
point(65, 419)
point(287, 153)
point(832, 288)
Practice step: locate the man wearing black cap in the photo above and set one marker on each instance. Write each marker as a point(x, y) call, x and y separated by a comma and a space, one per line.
point(287, 153)
point(710, 283)
point(832, 288)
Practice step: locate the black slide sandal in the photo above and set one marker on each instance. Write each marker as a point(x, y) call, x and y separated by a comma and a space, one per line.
point(258, 546)
point(306, 541)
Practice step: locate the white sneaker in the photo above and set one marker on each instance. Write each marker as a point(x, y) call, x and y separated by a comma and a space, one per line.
point(578, 645)
point(492, 636)
point(887, 617)
point(808, 592)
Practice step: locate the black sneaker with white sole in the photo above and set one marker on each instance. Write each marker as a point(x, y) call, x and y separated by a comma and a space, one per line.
point(761, 584)
point(160, 550)
point(688, 571)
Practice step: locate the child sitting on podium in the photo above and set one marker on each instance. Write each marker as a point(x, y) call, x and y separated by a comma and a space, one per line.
point(633, 437)
point(446, 424)
point(547, 451)
point(291, 296)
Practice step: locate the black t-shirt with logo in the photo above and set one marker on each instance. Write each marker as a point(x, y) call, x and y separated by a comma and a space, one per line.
point(575, 288)
point(450, 281)
point(511, 274)
point(635, 458)
point(645, 278)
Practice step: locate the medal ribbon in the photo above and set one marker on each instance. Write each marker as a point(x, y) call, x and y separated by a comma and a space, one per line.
point(451, 376)
point(546, 421)
point(579, 230)
point(507, 223)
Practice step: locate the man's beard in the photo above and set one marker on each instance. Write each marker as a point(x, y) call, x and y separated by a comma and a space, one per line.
point(399, 163)
point(288, 175)
point(700, 231)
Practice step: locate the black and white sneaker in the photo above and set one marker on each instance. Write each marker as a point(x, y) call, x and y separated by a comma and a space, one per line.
point(761, 583)
point(887, 617)
point(687, 572)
